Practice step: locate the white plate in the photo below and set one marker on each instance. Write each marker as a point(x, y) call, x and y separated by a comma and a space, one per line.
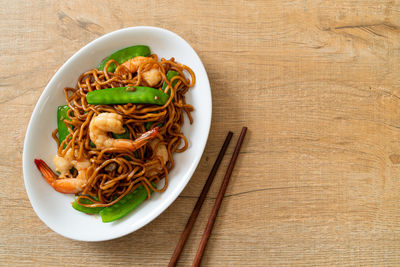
point(54, 208)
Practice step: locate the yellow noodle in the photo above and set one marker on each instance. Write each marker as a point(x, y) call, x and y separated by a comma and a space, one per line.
point(116, 172)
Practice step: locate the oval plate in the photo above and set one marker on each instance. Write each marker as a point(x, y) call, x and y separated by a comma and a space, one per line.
point(54, 208)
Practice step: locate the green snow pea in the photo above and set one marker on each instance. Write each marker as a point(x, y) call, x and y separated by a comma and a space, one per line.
point(62, 127)
point(124, 54)
point(124, 206)
point(84, 209)
point(125, 95)
point(171, 74)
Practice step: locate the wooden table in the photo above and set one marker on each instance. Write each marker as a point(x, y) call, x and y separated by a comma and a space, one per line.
point(318, 85)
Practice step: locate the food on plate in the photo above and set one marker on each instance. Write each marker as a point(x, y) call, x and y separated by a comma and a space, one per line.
point(118, 131)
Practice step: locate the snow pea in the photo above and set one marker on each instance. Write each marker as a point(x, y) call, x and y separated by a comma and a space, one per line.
point(124, 54)
point(124, 206)
point(171, 74)
point(84, 209)
point(119, 209)
point(125, 95)
point(62, 128)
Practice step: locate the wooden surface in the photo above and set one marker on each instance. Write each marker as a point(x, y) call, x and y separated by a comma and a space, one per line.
point(318, 85)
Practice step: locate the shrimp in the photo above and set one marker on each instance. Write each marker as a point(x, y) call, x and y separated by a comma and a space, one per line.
point(111, 122)
point(151, 76)
point(64, 164)
point(160, 151)
point(65, 183)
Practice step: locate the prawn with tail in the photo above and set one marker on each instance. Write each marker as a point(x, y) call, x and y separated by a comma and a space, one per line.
point(104, 123)
point(64, 185)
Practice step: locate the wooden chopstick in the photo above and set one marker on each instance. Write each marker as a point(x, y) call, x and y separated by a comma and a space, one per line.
point(218, 201)
point(199, 203)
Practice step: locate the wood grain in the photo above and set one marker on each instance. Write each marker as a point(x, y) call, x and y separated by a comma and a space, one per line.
point(317, 83)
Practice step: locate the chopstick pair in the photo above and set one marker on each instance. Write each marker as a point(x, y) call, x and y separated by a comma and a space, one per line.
point(200, 201)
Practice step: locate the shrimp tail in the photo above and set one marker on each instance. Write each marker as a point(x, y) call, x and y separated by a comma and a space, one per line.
point(66, 186)
point(138, 142)
point(144, 138)
point(46, 172)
